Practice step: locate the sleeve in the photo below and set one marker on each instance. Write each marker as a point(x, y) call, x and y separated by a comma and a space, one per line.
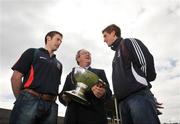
point(24, 62)
point(68, 85)
point(108, 90)
point(61, 70)
point(141, 56)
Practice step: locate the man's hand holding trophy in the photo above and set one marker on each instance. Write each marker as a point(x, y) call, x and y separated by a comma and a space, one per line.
point(84, 80)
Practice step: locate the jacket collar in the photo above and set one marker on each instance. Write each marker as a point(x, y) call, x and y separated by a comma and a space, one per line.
point(88, 67)
point(46, 51)
point(116, 43)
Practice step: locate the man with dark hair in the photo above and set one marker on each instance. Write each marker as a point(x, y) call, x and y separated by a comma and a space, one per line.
point(133, 70)
point(94, 113)
point(35, 83)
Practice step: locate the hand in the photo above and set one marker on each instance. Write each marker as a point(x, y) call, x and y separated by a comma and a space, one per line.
point(66, 98)
point(158, 106)
point(98, 90)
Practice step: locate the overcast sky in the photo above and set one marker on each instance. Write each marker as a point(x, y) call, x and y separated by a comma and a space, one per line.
point(24, 23)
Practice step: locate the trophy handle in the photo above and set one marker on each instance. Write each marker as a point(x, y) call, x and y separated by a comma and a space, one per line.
point(101, 83)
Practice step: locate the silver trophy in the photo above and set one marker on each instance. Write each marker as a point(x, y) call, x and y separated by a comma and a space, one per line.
point(84, 80)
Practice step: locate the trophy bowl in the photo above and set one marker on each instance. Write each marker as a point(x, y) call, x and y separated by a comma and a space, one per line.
point(84, 80)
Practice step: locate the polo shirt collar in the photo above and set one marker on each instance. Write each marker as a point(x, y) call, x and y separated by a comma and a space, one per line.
point(46, 51)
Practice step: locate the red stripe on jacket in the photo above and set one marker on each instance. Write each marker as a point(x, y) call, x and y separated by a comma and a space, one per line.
point(30, 79)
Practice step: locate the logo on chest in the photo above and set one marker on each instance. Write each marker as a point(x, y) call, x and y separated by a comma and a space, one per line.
point(41, 57)
point(117, 56)
point(118, 53)
point(58, 65)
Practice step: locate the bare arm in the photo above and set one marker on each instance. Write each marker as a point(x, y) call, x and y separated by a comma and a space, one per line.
point(16, 81)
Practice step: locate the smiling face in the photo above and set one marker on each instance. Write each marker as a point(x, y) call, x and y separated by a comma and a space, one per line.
point(83, 58)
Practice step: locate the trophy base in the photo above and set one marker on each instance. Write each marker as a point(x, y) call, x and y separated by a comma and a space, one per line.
point(71, 94)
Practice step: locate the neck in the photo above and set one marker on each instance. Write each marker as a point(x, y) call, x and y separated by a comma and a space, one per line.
point(116, 43)
point(84, 66)
point(49, 50)
point(115, 38)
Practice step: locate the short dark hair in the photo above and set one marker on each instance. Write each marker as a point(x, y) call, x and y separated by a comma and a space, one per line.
point(51, 34)
point(111, 28)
